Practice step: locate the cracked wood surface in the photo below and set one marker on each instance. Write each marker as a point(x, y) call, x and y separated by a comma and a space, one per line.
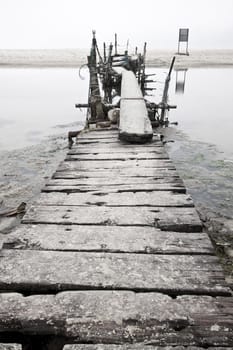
point(110, 174)
point(117, 164)
point(117, 180)
point(53, 271)
point(126, 149)
point(108, 239)
point(127, 227)
point(169, 218)
point(126, 199)
point(137, 346)
point(174, 187)
point(117, 156)
point(113, 317)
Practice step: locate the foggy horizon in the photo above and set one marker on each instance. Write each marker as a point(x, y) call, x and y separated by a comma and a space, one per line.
point(66, 24)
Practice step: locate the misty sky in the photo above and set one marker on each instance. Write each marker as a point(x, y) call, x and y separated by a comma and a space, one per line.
point(37, 24)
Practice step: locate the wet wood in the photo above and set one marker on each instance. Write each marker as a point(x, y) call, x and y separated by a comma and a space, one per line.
point(170, 219)
point(115, 164)
point(121, 174)
point(97, 136)
point(125, 199)
point(84, 149)
point(177, 188)
point(10, 347)
point(113, 317)
point(148, 240)
point(29, 270)
point(117, 156)
point(94, 179)
point(137, 346)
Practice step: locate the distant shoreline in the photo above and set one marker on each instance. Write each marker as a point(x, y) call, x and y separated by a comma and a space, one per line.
point(74, 58)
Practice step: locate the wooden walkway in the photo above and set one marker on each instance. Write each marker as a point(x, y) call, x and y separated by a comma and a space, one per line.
point(112, 257)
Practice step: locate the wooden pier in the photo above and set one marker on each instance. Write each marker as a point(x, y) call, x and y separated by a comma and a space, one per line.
point(112, 256)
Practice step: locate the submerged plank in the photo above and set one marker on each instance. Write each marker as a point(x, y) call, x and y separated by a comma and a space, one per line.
point(126, 199)
point(148, 240)
point(35, 271)
point(168, 219)
point(120, 317)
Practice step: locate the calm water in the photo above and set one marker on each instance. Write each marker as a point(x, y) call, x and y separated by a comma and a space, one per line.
point(37, 109)
point(35, 103)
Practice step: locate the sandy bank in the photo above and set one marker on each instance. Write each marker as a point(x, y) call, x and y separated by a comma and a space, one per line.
point(77, 57)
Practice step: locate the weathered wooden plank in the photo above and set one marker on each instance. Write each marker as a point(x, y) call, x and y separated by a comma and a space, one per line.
point(98, 136)
point(135, 125)
point(137, 346)
point(167, 219)
point(96, 141)
point(111, 180)
point(116, 183)
point(119, 151)
point(116, 149)
point(28, 270)
point(124, 173)
point(125, 199)
point(121, 317)
point(10, 347)
point(120, 188)
point(117, 156)
point(109, 142)
point(148, 240)
point(115, 164)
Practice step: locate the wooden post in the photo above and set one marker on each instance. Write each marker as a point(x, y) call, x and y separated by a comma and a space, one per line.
point(115, 44)
point(105, 57)
point(165, 91)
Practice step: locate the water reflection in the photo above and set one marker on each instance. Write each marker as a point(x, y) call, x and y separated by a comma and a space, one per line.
point(180, 80)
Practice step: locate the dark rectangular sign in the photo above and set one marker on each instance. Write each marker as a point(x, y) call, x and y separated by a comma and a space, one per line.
point(184, 34)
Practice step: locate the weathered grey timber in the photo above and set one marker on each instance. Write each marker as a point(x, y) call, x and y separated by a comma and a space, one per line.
point(117, 164)
point(122, 263)
point(148, 240)
point(123, 173)
point(172, 186)
point(169, 218)
point(85, 149)
point(118, 156)
point(125, 199)
point(112, 317)
point(114, 180)
point(43, 270)
point(135, 347)
point(135, 125)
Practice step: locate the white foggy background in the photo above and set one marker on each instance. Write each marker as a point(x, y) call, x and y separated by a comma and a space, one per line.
point(51, 24)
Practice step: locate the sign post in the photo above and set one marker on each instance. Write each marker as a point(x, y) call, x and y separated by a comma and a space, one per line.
point(183, 37)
